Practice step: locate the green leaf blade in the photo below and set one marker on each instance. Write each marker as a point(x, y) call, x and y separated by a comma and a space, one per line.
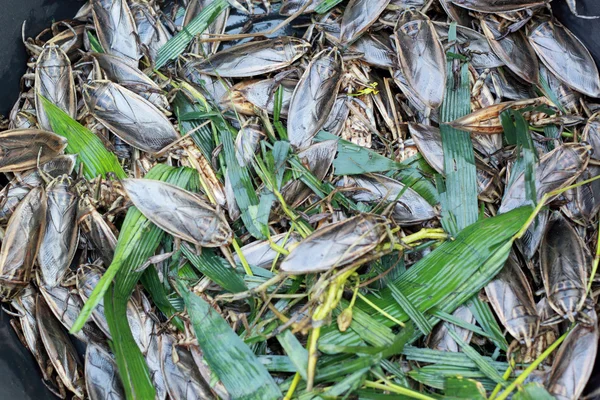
point(353, 159)
point(297, 354)
point(97, 161)
point(459, 201)
point(245, 195)
point(326, 5)
point(216, 269)
point(533, 391)
point(477, 253)
point(177, 44)
point(461, 388)
point(481, 363)
point(226, 353)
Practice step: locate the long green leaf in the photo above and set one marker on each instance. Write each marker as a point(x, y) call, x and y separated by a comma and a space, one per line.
point(450, 318)
point(228, 356)
point(188, 101)
point(545, 86)
point(393, 347)
point(415, 179)
point(413, 313)
point(81, 141)
point(94, 43)
point(533, 391)
point(449, 358)
point(177, 44)
point(513, 121)
point(461, 388)
point(158, 293)
point(367, 326)
point(245, 195)
point(297, 354)
point(353, 159)
point(462, 293)
point(320, 188)
point(485, 317)
point(131, 364)
point(551, 132)
point(477, 280)
point(326, 5)
point(459, 201)
point(481, 363)
point(275, 363)
point(348, 384)
point(437, 278)
point(436, 375)
point(216, 268)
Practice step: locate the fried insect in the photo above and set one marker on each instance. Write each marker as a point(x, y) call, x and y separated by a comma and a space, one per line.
point(247, 142)
point(129, 116)
point(119, 71)
point(318, 159)
point(25, 305)
point(375, 50)
point(555, 170)
point(473, 42)
point(23, 149)
point(358, 16)
point(12, 194)
point(498, 6)
point(59, 241)
point(574, 361)
point(60, 350)
point(510, 295)
point(567, 58)
point(253, 58)
point(513, 49)
point(247, 95)
point(116, 29)
point(102, 380)
point(97, 230)
point(66, 306)
point(314, 97)
point(179, 212)
point(563, 261)
point(261, 254)
point(54, 81)
point(21, 243)
point(421, 57)
point(409, 206)
point(336, 245)
point(184, 381)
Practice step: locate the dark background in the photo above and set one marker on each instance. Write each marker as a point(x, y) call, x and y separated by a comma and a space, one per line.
point(19, 376)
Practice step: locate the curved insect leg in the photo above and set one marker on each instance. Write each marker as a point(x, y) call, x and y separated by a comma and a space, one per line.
point(556, 319)
point(573, 6)
point(67, 46)
point(515, 26)
point(33, 48)
point(59, 391)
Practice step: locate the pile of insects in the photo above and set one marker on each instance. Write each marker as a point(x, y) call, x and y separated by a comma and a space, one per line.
point(305, 199)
